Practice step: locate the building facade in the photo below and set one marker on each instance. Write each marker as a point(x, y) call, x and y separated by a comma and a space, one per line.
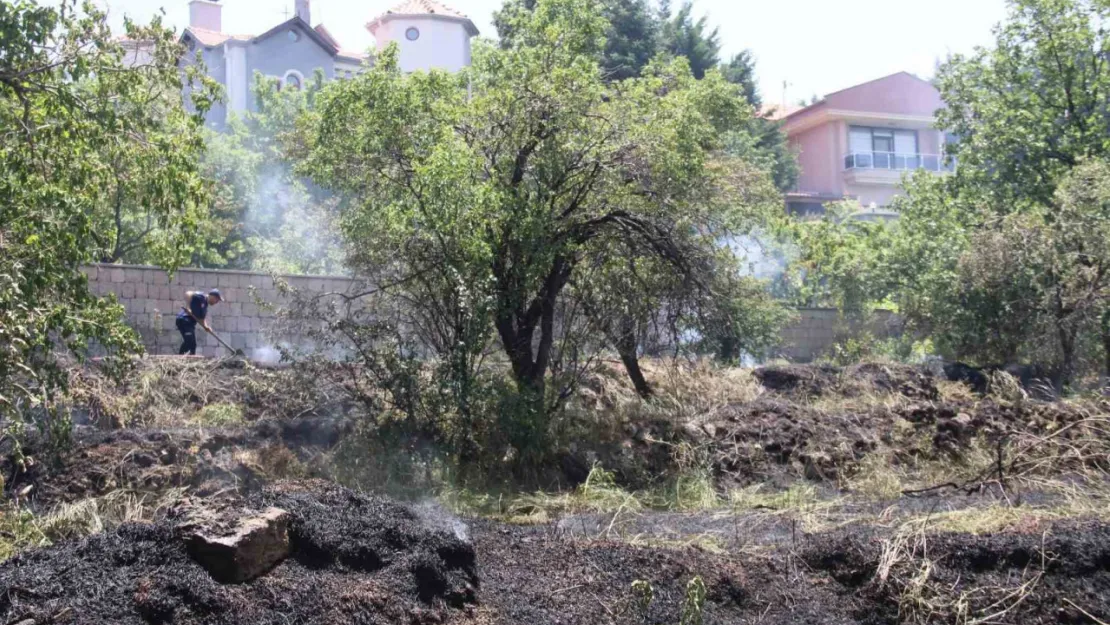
point(858, 143)
point(428, 33)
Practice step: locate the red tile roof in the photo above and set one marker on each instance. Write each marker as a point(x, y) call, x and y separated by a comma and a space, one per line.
point(421, 7)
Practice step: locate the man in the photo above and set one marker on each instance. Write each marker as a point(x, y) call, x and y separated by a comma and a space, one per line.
point(195, 309)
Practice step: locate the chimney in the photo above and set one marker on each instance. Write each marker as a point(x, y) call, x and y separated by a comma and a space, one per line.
point(304, 10)
point(206, 14)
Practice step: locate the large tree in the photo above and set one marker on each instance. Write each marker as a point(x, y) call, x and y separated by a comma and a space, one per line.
point(1029, 108)
point(740, 70)
point(73, 110)
point(489, 193)
point(682, 35)
point(631, 39)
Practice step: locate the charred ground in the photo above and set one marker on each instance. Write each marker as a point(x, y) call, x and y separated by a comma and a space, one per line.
point(871, 494)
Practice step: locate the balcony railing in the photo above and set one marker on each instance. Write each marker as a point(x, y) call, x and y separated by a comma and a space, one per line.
point(898, 162)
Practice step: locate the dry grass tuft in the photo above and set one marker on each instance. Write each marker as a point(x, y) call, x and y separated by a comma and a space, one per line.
point(906, 570)
point(683, 391)
point(21, 530)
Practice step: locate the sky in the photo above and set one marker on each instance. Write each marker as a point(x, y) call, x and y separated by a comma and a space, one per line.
point(815, 47)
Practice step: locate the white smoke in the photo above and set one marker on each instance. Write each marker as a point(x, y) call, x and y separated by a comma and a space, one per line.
point(436, 517)
point(266, 356)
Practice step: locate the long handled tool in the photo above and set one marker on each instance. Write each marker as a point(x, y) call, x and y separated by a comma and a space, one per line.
point(237, 352)
point(234, 352)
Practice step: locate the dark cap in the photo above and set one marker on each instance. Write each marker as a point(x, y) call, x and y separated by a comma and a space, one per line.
point(216, 292)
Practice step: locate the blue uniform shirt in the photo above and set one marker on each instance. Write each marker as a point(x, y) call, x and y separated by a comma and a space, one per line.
point(198, 304)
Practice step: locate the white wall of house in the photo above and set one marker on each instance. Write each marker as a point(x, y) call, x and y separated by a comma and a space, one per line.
point(442, 44)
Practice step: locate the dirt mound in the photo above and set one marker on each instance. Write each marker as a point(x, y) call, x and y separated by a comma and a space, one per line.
point(767, 438)
point(354, 559)
point(819, 380)
point(1059, 574)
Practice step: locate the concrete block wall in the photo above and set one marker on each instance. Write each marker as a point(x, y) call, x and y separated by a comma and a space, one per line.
point(152, 299)
point(816, 330)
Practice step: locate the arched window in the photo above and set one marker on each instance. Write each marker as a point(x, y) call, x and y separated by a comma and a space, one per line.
point(293, 80)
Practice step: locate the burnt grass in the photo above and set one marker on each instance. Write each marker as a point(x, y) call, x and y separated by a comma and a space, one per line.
point(360, 558)
point(355, 559)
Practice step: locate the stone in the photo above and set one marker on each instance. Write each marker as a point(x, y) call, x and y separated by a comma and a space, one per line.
point(236, 546)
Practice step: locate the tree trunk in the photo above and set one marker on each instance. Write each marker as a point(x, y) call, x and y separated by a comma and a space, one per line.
point(627, 347)
point(1067, 355)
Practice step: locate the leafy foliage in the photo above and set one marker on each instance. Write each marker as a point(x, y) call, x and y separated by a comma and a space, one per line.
point(631, 39)
point(1031, 107)
point(75, 111)
point(488, 202)
point(684, 36)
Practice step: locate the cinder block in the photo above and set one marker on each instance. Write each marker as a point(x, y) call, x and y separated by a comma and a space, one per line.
point(118, 276)
point(126, 290)
point(140, 289)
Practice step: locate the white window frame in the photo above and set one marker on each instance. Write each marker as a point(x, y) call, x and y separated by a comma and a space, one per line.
point(292, 72)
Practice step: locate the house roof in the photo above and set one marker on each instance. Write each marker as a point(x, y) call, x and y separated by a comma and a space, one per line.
point(900, 97)
point(837, 97)
point(212, 38)
point(320, 34)
point(295, 22)
point(776, 112)
point(423, 8)
point(326, 34)
point(417, 7)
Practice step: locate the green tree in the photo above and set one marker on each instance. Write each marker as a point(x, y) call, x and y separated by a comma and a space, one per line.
point(631, 40)
point(1031, 284)
point(763, 139)
point(73, 110)
point(684, 36)
point(1030, 108)
point(740, 70)
point(486, 194)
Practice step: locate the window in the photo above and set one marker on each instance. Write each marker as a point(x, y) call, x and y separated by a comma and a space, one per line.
point(882, 141)
point(883, 148)
point(293, 79)
point(294, 36)
point(412, 34)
